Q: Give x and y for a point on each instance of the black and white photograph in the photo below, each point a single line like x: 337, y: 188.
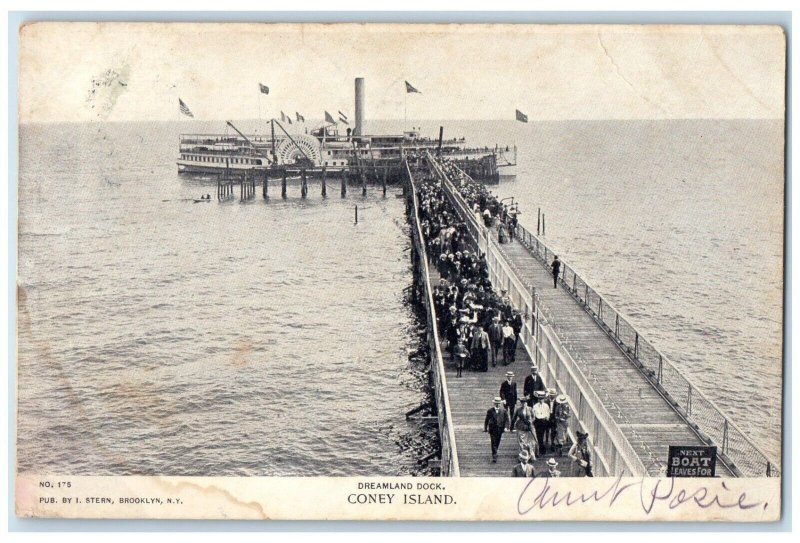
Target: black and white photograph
x: 412, y: 262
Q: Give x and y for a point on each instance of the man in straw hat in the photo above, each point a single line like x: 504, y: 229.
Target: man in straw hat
x: 523, y: 468
x: 541, y: 418
x: 552, y: 469
x: 561, y: 413
x: 508, y: 391
x: 495, y: 423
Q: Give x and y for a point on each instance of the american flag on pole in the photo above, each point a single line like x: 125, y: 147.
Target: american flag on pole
x: 185, y: 109
x: 410, y: 88
x: 329, y: 118
x: 521, y: 117
x: 263, y: 88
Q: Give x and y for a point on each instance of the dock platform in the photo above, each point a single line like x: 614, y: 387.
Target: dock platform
x: 646, y: 419
x: 643, y: 415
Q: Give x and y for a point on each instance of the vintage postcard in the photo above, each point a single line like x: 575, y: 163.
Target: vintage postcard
x: 382, y: 271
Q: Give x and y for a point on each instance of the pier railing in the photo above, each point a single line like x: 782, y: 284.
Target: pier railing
x: 734, y: 447
x: 449, y: 467
x: 614, y: 455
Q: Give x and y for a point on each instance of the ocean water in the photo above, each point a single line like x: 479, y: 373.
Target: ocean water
x: 160, y: 336
x: 680, y: 225
x: 272, y: 338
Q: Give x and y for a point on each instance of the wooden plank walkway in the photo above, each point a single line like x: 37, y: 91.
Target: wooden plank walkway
x: 645, y: 417
x: 470, y: 396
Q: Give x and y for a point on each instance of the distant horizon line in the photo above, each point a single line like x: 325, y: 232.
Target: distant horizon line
x: 321, y: 121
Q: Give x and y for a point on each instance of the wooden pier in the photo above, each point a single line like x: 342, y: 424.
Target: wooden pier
x: 648, y: 422
x: 247, y: 182
x: 631, y: 423
x: 469, y: 397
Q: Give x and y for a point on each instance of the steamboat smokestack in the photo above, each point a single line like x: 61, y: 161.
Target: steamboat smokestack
x: 358, y: 129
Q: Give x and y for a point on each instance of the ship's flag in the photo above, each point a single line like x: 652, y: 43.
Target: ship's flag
x: 283, y: 116
x: 300, y: 118
x: 342, y: 115
x: 289, y: 120
x: 185, y: 109
x: 329, y: 118
x: 263, y: 88
x: 522, y: 117
x: 410, y: 88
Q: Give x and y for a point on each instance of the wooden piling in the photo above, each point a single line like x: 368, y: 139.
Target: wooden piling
x: 324, y: 186
x: 538, y: 221
x: 385, y: 173
x: 344, y: 183
x: 356, y: 213
x: 543, y: 227
x: 303, y: 184
x: 283, y: 184
x: 265, y: 189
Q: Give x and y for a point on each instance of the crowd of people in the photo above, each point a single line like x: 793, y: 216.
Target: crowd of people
x: 493, y: 212
x: 481, y: 327
x: 539, y: 417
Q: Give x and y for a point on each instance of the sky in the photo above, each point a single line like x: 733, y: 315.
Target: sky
x: 137, y: 71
